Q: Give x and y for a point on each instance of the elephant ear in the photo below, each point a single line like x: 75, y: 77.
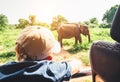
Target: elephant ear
x: 84, y: 30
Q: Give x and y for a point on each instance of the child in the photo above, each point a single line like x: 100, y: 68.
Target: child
x: 34, y: 48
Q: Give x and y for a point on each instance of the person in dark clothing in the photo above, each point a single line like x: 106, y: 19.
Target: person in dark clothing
x: 105, y: 56
x: 115, y: 28
x: 34, y: 48
x: 35, y: 71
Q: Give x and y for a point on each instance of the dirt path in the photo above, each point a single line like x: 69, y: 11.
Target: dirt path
x: 62, y: 56
x: 82, y: 79
x: 86, y: 79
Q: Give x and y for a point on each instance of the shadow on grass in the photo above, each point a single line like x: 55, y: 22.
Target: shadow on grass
x: 7, y: 54
x: 77, y: 48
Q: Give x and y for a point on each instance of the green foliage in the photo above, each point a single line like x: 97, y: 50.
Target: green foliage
x: 7, y: 44
x: 109, y: 14
x: 32, y: 19
x: 11, y: 27
x: 31, y: 22
x: 43, y: 24
x: 56, y: 20
x: 94, y: 20
x: 8, y: 38
x: 93, y: 23
x: 103, y: 25
x: 85, y: 59
x: 7, y: 56
x: 22, y: 23
x: 3, y: 21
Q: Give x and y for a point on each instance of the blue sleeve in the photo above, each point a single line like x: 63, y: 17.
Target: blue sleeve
x: 35, y: 71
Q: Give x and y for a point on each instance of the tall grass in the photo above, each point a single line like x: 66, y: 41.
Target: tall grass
x: 8, y: 38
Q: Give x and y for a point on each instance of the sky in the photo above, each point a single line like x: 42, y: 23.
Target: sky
x: 72, y: 10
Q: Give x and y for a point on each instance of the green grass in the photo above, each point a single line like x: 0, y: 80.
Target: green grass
x: 8, y: 38
x: 7, y: 44
x: 96, y: 34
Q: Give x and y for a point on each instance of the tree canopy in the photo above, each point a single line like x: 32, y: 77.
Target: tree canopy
x: 56, y: 20
x: 22, y: 23
x: 109, y: 14
x: 3, y: 21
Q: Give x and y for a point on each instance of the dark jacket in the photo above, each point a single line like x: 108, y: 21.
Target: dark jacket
x: 35, y: 71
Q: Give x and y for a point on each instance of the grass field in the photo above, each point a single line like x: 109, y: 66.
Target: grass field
x: 8, y: 38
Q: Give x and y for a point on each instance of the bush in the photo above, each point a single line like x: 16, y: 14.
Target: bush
x: 104, y: 25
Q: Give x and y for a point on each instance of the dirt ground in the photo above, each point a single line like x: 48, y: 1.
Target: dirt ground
x: 62, y: 56
x: 82, y: 79
x: 88, y: 78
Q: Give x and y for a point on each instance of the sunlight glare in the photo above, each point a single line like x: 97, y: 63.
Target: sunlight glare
x: 44, y: 12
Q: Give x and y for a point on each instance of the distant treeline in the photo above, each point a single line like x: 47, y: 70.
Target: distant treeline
x: 56, y: 20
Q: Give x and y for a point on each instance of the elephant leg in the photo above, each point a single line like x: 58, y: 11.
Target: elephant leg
x: 80, y: 39
x: 76, y: 40
x: 60, y: 41
x: 89, y: 37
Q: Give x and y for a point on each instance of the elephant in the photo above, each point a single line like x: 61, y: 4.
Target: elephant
x: 85, y: 31
x: 69, y: 30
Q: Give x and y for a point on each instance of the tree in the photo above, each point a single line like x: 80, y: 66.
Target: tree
x: 3, y: 21
x: 56, y: 20
x: 22, y: 23
x: 109, y: 14
x: 93, y: 22
x: 32, y: 19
